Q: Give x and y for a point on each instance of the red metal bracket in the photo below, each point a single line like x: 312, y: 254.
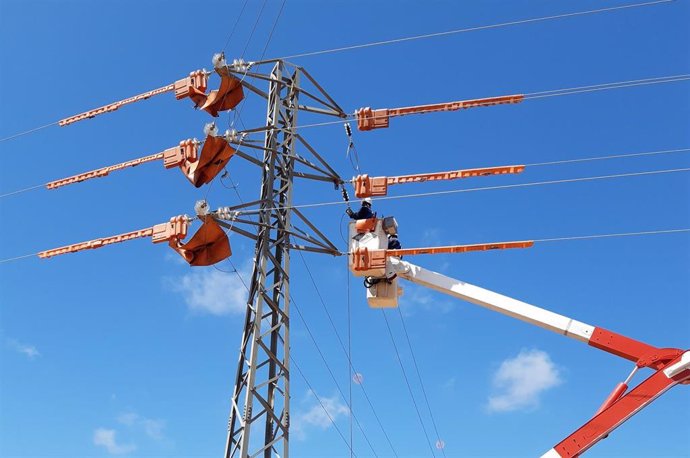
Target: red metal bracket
x: 622, y: 408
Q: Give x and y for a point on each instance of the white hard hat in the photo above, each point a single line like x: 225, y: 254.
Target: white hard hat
x: 367, y: 200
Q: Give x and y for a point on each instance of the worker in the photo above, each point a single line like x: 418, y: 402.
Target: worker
x: 393, y: 242
x: 364, y: 212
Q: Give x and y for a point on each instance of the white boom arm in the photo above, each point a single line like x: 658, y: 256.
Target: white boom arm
x: 671, y: 365
x: 493, y: 301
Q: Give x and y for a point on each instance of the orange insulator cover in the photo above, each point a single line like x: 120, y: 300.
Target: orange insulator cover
x: 228, y: 95
x: 365, y: 225
x: 461, y: 248
x: 366, y: 186
x: 187, y: 150
x: 365, y: 259
x: 194, y: 87
x: 208, y: 246
x: 175, y: 229
x: 214, y: 155
x: 368, y: 119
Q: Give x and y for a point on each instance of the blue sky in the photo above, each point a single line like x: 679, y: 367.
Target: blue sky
x: 125, y: 350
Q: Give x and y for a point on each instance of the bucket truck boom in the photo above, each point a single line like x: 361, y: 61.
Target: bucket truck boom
x: 382, y: 268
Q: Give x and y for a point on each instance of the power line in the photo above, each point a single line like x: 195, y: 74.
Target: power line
x: 473, y: 29
x: 556, y: 239
x: 486, y: 188
x: 347, y: 354
x: 605, y: 87
x: 35, y: 129
x: 234, y: 27
x: 543, y: 94
x: 536, y: 164
x: 294, y: 363
x: 419, y: 376
x: 593, y: 86
x: 613, y: 156
x: 407, y: 382
x: 620, y: 234
x: 328, y: 368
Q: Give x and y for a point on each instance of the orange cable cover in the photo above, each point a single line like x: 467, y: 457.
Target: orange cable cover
x: 114, y: 106
x: 369, y: 119
x: 366, y: 186
x: 460, y: 248
x: 172, y: 157
x: 175, y: 229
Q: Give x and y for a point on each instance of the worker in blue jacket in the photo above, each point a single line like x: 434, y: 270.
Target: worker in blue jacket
x: 393, y: 242
x: 364, y: 212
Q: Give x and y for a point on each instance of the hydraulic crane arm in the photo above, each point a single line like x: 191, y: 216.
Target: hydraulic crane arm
x: 368, y: 119
x: 366, y: 186
x: 671, y: 365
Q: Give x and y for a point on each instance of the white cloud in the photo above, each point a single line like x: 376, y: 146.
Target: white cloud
x: 432, y: 237
x: 317, y: 416
x: 152, y: 428
x: 418, y: 298
x: 520, y: 381
x: 211, y: 291
x: 28, y: 350
x: 106, y: 438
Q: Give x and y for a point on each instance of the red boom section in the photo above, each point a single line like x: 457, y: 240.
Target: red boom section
x: 368, y: 119
x: 621, y: 410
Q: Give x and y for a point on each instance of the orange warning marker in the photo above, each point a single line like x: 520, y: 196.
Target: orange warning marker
x: 366, y: 186
x: 368, y: 119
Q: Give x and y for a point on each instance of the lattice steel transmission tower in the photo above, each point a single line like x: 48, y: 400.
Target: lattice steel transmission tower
x: 260, y: 407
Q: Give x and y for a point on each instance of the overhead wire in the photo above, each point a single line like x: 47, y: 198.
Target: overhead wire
x: 234, y: 27
x: 530, y: 96
x: 421, y: 382
x: 619, y: 234
x: 417, y: 37
x: 407, y: 382
x: 612, y: 156
x: 473, y: 29
x: 328, y: 368
x: 555, y: 239
x: 535, y: 164
x: 347, y: 353
x: 483, y: 188
x: 26, y: 132
x: 605, y: 87
x: 311, y: 389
